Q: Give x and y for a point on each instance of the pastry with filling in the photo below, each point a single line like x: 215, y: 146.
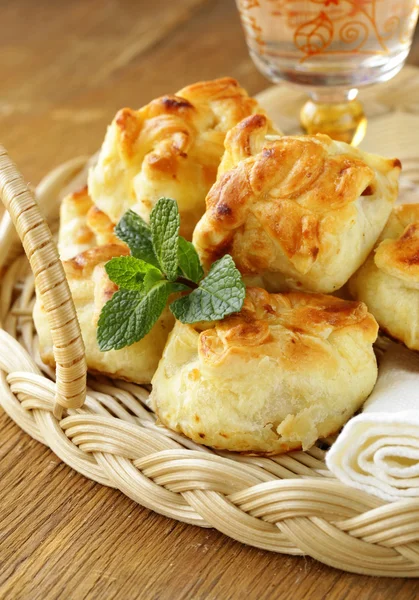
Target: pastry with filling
x: 285, y: 371
x: 171, y: 147
x: 91, y: 289
x: 295, y: 212
x: 388, y: 282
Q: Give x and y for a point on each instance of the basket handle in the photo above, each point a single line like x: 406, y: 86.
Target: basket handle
x: 51, y: 284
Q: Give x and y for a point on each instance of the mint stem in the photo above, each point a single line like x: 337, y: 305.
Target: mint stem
x: 187, y: 282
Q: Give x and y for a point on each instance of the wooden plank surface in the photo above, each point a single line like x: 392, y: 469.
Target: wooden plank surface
x: 66, y: 67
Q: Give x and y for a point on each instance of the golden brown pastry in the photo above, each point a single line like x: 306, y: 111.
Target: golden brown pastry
x: 299, y: 212
x: 388, y: 282
x: 171, y: 147
x: 285, y: 371
x: 83, y: 225
x: 74, y: 234
x: 102, y: 227
x: 91, y: 289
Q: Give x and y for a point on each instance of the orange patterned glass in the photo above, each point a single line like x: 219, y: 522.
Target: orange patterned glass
x: 332, y: 47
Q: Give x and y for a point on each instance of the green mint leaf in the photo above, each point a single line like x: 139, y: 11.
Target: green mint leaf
x: 221, y: 293
x: 129, y: 315
x: 131, y: 273
x: 152, y: 277
x: 135, y: 232
x: 189, y: 262
x: 164, y: 225
x: 178, y: 287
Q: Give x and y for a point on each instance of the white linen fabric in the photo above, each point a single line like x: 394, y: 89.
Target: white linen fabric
x: 378, y: 450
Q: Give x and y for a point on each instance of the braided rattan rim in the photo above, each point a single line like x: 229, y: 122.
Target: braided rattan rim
x: 289, y: 504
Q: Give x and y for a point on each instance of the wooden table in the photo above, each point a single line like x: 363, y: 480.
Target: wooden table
x: 66, y: 68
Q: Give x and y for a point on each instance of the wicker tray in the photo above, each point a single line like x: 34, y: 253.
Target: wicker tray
x: 289, y: 504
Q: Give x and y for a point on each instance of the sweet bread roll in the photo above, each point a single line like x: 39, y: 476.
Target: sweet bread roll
x: 388, y: 282
x: 285, y: 371
x: 91, y: 289
x: 83, y: 225
x: 171, y: 147
x: 295, y: 212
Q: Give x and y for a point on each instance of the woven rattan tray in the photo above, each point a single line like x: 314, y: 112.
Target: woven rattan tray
x: 288, y: 504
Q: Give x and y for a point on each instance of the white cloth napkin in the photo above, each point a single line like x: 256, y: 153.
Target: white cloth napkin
x: 378, y: 450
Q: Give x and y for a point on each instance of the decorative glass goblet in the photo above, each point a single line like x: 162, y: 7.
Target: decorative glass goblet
x: 332, y: 47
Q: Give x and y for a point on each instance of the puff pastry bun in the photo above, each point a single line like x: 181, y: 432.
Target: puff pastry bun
x: 285, y: 371
x: 91, y: 288
x: 388, y: 282
x: 83, y: 225
x: 171, y: 147
x: 302, y: 212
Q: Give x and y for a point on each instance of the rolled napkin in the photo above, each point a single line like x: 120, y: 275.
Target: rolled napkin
x: 378, y: 450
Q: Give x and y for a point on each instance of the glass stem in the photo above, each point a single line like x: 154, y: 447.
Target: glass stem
x: 334, y: 112
x: 332, y: 95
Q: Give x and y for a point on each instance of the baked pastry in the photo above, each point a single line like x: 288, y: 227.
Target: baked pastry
x: 74, y: 234
x: 102, y: 227
x: 388, y: 282
x: 171, y: 147
x: 91, y: 289
x: 83, y: 225
x: 285, y: 371
x: 295, y: 212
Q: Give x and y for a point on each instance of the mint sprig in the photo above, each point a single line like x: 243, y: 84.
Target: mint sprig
x: 128, y: 316
x: 135, y: 232
x: 219, y: 294
x: 164, y: 225
x: 163, y: 263
x: 129, y: 273
x: 189, y: 262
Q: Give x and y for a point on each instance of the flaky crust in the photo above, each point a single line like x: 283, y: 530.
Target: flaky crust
x: 388, y: 282
x: 74, y: 235
x: 102, y: 227
x: 83, y: 225
x: 299, y: 212
x: 288, y: 369
x: 91, y: 289
x: 171, y: 147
